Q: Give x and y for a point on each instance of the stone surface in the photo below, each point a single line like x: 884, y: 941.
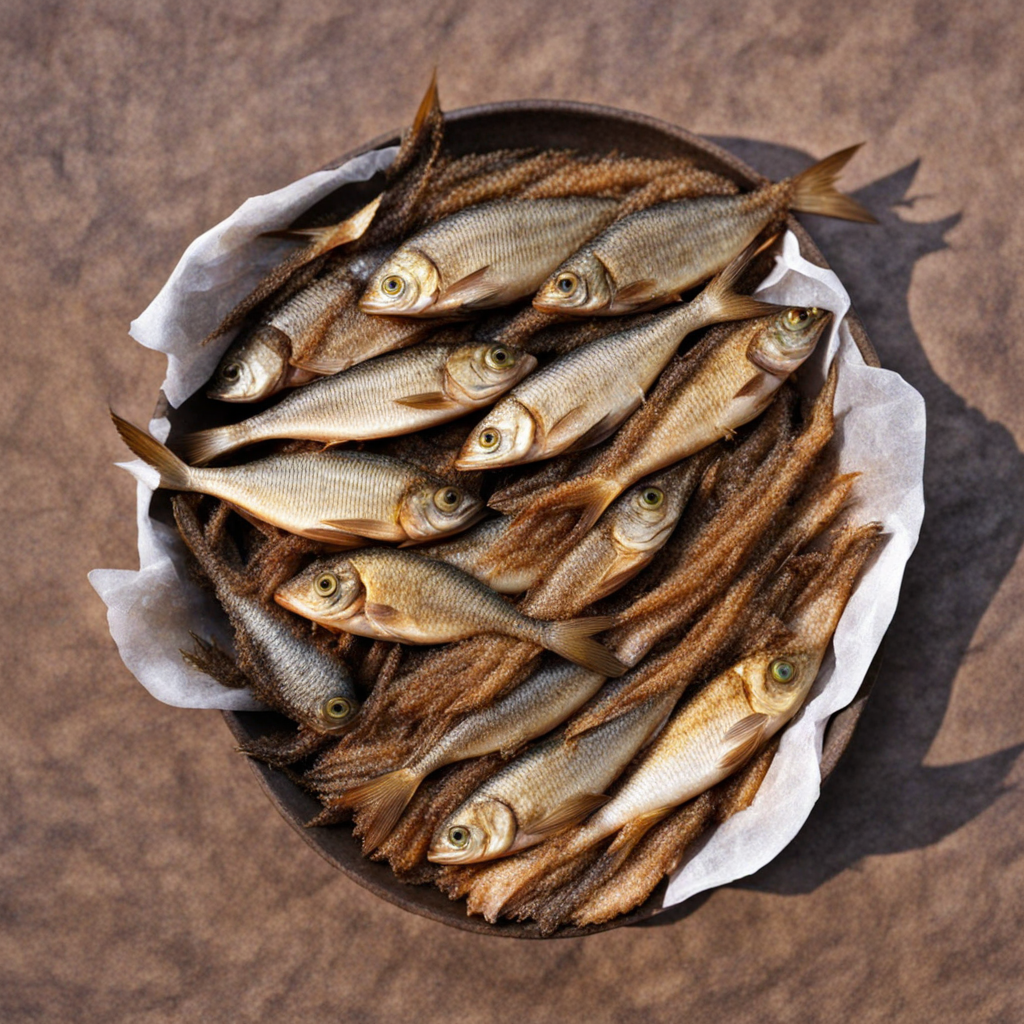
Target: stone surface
x: 143, y: 875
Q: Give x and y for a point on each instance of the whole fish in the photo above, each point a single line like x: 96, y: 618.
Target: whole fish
x: 727, y: 380
x: 483, y: 256
x: 531, y: 709
x: 399, y: 595
x: 709, y: 737
x: 580, y: 399
x: 545, y: 790
x: 394, y: 394
x: 334, y: 497
x: 287, y: 671
x: 656, y: 254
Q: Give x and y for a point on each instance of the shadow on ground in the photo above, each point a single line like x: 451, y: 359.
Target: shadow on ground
x: 882, y: 799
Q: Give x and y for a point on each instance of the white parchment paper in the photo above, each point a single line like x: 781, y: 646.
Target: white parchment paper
x: 880, y: 432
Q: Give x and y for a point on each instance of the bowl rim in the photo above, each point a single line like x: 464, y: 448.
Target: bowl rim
x: 335, y: 843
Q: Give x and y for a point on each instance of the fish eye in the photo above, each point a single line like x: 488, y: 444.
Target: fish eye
x: 489, y: 438
x: 566, y: 283
x: 447, y: 499
x: 392, y: 286
x: 782, y: 671
x: 337, y: 709
x: 232, y: 371
x: 797, y: 318
x: 499, y: 357
x: 651, y: 497
x: 325, y: 584
x: 458, y: 836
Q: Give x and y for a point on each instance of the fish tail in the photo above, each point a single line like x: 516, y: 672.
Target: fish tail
x: 173, y: 472
x: 722, y: 303
x: 203, y: 446
x: 813, y: 190
x: 572, y: 639
x: 324, y: 239
x: 589, y: 494
x: 379, y: 803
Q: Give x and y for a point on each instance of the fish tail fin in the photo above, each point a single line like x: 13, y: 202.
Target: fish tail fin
x: 379, y: 803
x: 330, y: 236
x: 572, y: 639
x: 591, y: 495
x: 723, y: 303
x: 203, y: 446
x: 813, y: 190
x: 173, y: 472
x: 430, y: 104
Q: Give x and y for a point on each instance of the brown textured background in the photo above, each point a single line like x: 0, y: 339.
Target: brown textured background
x: 143, y: 876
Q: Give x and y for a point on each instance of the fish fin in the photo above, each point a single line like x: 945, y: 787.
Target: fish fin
x: 591, y: 495
x: 569, y: 813
x: 566, y: 429
x: 615, y: 579
x: 602, y: 429
x: 427, y: 400
x: 372, y: 528
x: 572, y: 639
x: 384, y: 614
x: 746, y: 737
x: 813, y: 190
x: 203, y: 446
x: 324, y: 239
x: 173, y: 472
x: 320, y: 364
x: 722, y: 303
x: 379, y: 804
x: 430, y: 103
x: 637, y: 293
x: 336, y: 538
x: 752, y: 386
x: 469, y: 290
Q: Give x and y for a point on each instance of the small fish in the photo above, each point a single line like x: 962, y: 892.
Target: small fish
x: 654, y: 255
x: 535, y: 707
x: 286, y: 670
x: 256, y: 367
x: 727, y: 380
x: 399, y: 393
x: 545, y: 790
x: 483, y: 256
x: 580, y: 399
x: 399, y: 595
x: 333, y: 497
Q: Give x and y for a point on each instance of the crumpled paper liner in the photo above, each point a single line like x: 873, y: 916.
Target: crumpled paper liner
x: 880, y: 432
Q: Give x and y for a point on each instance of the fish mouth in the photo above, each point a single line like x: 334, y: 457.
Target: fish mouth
x: 293, y: 605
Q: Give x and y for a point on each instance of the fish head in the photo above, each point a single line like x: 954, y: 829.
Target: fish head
x: 429, y: 511
x: 505, y: 437
x: 580, y: 285
x: 406, y: 284
x: 253, y: 368
x: 483, y: 372
x: 777, y: 682
x: 478, y: 830
x: 328, y: 592
x: 645, y: 515
x: 788, y: 339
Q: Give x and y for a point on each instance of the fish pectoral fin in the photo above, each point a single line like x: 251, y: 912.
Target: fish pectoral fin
x: 744, y: 739
x: 603, y: 428
x: 752, y: 387
x: 372, y: 528
x: 471, y: 289
x: 387, y: 620
x: 335, y: 538
x: 427, y: 400
x: 637, y: 293
x: 564, y: 816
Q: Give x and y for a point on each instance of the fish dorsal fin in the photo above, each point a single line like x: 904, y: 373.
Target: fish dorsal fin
x: 427, y: 400
x: 743, y: 741
x: 470, y: 290
x: 637, y: 293
x: 569, y: 813
x: 372, y: 528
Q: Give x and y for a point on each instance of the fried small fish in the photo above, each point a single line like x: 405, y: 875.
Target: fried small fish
x: 400, y: 595
x: 334, y: 497
x: 581, y: 398
x: 483, y: 256
x: 656, y: 254
x: 394, y: 394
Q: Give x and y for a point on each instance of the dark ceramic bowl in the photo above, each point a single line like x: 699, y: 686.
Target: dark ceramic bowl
x: 542, y: 124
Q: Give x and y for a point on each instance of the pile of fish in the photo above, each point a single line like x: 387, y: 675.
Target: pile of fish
x: 538, y: 587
